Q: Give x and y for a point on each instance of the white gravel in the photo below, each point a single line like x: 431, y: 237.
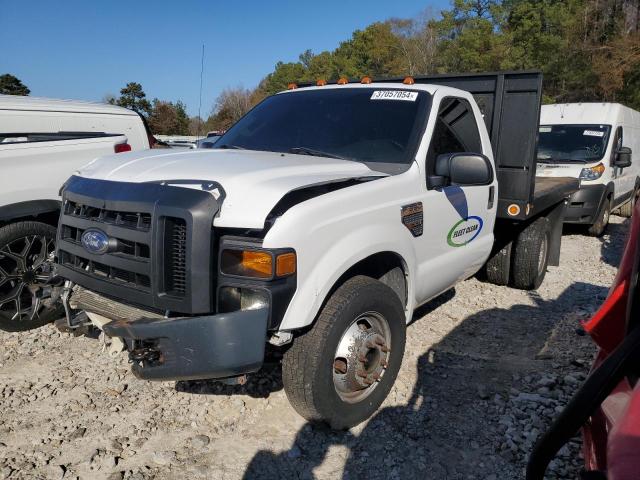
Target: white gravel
x: 486, y: 369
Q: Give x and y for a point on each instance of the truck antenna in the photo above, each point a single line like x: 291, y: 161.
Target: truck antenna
x: 200, y: 101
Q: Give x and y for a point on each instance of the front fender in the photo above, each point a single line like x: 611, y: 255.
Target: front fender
x: 323, y: 260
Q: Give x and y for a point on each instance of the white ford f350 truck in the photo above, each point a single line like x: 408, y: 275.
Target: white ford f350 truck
x: 316, y: 224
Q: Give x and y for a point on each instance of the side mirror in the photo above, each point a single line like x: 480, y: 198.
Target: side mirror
x: 623, y: 157
x: 464, y: 169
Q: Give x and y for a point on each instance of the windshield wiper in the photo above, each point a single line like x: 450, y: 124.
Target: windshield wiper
x: 315, y: 153
x: 232, y: 147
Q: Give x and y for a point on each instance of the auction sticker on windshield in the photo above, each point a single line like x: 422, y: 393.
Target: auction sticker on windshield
x: 394, y: 95
x: 465, y: 231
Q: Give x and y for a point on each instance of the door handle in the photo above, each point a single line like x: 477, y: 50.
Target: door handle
x: 492, y: 192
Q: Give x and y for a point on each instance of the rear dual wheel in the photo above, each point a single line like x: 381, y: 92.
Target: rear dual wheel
x: 522, y: 263
x: 342, y: 369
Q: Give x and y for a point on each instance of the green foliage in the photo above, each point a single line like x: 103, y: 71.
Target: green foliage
x: 167, y: 118
x: 133, y: 97
x: 10, y: 85
x: 587, y: 49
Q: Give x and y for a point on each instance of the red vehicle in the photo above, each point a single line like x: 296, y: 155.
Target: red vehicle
x: 607, y: 406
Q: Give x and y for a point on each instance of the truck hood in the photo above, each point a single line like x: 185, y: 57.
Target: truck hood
x: 253, y: 181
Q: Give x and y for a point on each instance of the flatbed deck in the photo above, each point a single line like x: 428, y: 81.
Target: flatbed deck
x: 549, y: 191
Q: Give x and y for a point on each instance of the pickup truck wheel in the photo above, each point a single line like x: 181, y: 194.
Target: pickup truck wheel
x: 531, y: 255
x: 26, y: 250
x: 341, y: 370
x: 602, y: 220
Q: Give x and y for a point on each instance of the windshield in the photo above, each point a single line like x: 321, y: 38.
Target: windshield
x: 381, y: 126
x: 572, y: 143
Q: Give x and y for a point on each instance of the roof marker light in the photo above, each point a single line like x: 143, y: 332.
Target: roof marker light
x: 408, y: 81
x: 366, y: 80
x: 292, y: 86
x: 343, y: 81
x: 321, y: 82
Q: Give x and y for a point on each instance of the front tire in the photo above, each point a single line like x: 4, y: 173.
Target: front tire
x: 342, y: 369
x: 602, y: 220
x: 26, y: 249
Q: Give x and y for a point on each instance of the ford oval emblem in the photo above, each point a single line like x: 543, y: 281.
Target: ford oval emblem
x: 95, y: 241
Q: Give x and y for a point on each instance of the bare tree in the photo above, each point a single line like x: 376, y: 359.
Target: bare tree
x: 418, y: 42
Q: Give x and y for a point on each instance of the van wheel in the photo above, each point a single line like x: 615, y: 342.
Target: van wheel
x: 341, y: 370
x: 626, y: 210
x: 602, y: 220
x: 26, y: 250
x: 531, y: 255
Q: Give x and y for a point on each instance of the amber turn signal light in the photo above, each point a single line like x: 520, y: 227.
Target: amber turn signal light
x: 285, y: 264
x: 247, y: 263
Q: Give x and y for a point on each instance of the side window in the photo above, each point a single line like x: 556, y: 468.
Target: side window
x: 456, y: 130
x: 616, y: 145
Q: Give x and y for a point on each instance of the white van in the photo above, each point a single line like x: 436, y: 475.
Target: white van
x: 42, y: 143
x: 593, y: 142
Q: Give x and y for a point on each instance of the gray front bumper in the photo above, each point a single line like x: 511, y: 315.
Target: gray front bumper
x: 193, y: 348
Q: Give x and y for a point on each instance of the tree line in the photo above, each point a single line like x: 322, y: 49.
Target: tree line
x: 588, y: 50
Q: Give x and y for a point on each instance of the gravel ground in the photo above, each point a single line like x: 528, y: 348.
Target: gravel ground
x: 486, y: 369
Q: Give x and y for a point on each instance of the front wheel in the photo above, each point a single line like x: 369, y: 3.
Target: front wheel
x: 602, y: 220
x: 26, y: 251
x: 342, y: 369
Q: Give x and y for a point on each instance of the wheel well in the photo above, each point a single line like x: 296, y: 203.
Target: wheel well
x: 387, y: 267
x: 45, y: 211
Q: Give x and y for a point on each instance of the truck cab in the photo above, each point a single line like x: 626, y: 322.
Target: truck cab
x: 593, y: 142
x: 316, y: 224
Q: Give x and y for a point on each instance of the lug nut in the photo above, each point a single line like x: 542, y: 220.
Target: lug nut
x: 340, y: 366
x: 361, y: 374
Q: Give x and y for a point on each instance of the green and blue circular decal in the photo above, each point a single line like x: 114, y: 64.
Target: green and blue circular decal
x: 465, y: 231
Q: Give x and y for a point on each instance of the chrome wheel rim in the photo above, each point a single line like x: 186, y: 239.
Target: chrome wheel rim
x: 25, y: 266
x: 542, y: 256
x: 362, y: 357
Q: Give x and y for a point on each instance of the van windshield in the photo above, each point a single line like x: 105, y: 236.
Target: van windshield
x: 369, y: 125
x: 572, y: 143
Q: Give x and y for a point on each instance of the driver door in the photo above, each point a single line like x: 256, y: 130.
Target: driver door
x: 458, y: 219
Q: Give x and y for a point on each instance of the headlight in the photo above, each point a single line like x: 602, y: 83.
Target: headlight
x: 232, y: 299
x: 592, y: 173
x: 261, y: 264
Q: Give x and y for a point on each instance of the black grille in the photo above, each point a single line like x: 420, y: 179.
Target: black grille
x: 160, y: 249
x: 105, y: 272
x: 137, y: 220
x: 176, y: 256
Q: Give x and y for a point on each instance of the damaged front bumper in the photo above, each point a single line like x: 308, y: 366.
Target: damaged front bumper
x: 183, y: 348
x: 193, y: 348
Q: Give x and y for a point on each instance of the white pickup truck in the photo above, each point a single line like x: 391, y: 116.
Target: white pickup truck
x: 42, y: 142
x: 316, y: 224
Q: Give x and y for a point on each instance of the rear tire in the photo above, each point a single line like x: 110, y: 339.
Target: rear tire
x: 498, y: 267
x: 531, y: 255
x: 602, y: 220
x: 320, y: 369
x: 25, y: 300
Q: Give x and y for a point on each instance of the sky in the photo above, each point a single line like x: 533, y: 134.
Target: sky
x: 86, y: 49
